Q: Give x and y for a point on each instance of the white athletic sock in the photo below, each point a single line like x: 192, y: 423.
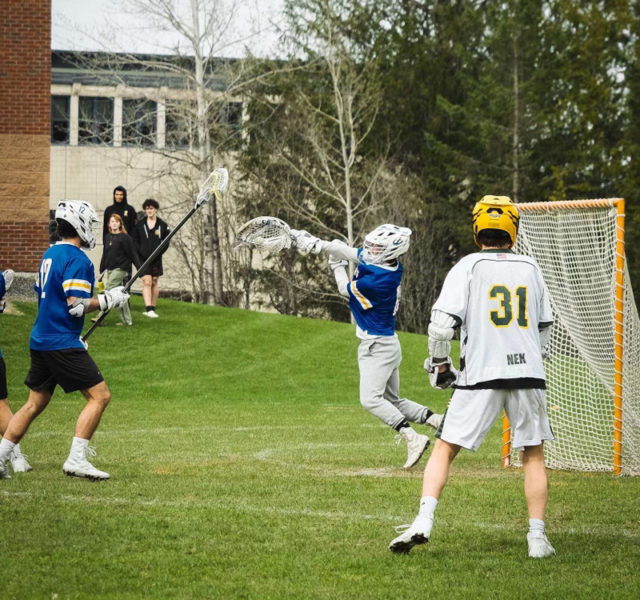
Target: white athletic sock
x: 428, y: 505
x: 6, y: 448
x: 16, y: 450
x: 536, y: 526
x: 78, y: 447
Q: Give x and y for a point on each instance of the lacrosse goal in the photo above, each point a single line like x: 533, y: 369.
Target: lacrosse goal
x: 593, y: 364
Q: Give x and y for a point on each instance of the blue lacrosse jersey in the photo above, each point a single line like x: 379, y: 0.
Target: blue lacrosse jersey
x: 64, y: 271
x: 374, y: 295
x: 3, y: 291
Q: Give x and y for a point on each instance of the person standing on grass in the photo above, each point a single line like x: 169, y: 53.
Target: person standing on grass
x: 121, y: 208
x: 150, y: 232
x: 118, y: 254
x: 500, y: 302
x: 374, y: 295
x: 18, y: 460
x: 58, y: 354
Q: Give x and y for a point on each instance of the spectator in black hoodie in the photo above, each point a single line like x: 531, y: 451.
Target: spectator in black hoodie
x: 117, y: 256
x: 149, y: 235
x: 120, y: 207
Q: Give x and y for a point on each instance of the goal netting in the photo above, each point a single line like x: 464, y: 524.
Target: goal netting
x: 593, y: 367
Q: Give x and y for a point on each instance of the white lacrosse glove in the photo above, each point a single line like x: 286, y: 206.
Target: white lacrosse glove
x: 305, y: 242
x: 440, y: 380
x: 113, y: 298
x: 335, y: 263
x: 79, y: 307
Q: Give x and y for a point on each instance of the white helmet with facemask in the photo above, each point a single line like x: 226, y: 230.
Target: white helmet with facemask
x: 385, y: 244
x: 82, y: 217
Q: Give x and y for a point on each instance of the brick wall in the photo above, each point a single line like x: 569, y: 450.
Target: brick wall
x: 25, y: 80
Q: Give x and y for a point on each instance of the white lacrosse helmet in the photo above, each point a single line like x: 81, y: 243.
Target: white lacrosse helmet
x: 82, y: 217
x: 385, y: 243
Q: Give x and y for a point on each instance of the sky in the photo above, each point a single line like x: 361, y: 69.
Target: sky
x: 104, y: 25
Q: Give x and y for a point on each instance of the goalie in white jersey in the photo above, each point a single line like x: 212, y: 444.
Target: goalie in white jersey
x: 499, y: 301
x: 374, y: 296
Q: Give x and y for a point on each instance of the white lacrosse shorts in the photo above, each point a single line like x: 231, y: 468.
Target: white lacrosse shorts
x: 472, y: 413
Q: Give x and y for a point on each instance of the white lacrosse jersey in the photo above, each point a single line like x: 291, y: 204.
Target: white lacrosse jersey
x: 500, y: 300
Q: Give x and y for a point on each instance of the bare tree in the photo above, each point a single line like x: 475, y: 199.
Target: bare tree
x: 202, y: 106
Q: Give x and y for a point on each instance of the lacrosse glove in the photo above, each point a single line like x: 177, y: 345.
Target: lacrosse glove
x: 440, y: 380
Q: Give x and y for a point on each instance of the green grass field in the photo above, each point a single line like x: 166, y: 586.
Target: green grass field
x: 243, y: 467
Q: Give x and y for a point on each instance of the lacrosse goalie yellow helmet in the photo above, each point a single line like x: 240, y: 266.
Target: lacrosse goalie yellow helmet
x: 495, y: 212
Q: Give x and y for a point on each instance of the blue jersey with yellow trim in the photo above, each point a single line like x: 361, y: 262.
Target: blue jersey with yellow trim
x: 64, y: 271
x: 374, y: 295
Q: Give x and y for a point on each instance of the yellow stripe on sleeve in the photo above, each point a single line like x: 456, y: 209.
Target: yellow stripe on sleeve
x: 359, y: 297
x: 81, y: 285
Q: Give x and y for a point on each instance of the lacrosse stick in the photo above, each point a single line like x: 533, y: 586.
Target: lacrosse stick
x: 213, y: 186
x: 264, y: 233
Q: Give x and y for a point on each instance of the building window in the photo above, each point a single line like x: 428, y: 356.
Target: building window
x: 138, y: 122
x: 95, y: 121
x: 59, y: 119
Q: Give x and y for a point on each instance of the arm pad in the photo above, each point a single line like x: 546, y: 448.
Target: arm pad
x: 338, y: 249
x: 440, y: 332
x: 342, y: 279
x: 79, y: 307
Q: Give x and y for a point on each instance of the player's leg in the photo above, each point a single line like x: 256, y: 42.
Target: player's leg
x: 18, y: 426
x: 536, y: 491
x: 435, y: 478
x: 77, y: 464
x: 75, y: 370
x: 98, y: 398
x: 527, y: 413
x: 412, y: 411
x: 378, y: 360
x: 469, y: 418
x: 18, y: 460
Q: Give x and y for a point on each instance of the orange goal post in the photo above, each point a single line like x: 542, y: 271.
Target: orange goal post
x: 593, y: 363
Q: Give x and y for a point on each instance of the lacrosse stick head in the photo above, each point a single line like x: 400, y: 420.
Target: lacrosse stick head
x: 213, y: 186
x: 268, y: 234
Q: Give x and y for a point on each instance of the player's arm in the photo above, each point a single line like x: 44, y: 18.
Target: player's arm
x: 339, y: 268
x: 309, y: 244
x: 106, y: 301
x: 438, y: 364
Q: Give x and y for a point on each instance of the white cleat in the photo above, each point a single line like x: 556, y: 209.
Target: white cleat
x: 417, y: 533
x: 435, y: 420
x: 19, y: 462
x: 539, y: 545
x: 4, y: 469
x: 151, y: 313
x: 416, y: 445
x: 79, y: 466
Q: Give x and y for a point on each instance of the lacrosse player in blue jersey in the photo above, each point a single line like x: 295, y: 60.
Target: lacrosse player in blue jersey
x: 500, y: 302
x: 58, y: 354
x: 374, y: 295
x: 18, y: 460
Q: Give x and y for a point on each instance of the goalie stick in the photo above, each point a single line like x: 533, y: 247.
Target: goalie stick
x: 213, y: 186
x: 264, y: 233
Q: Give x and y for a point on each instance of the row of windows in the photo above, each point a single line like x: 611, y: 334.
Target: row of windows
x: 96, y: 118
